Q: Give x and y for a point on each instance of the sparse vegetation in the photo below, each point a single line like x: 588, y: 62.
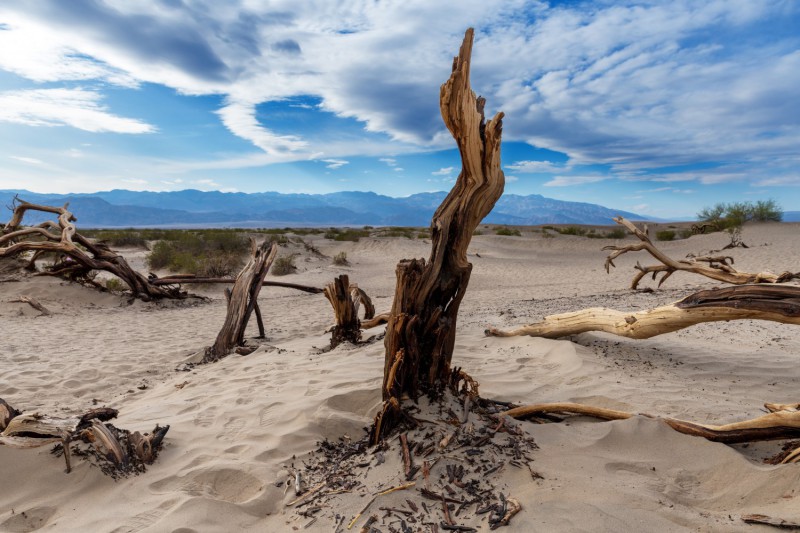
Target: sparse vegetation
x: 735, y: 214
x: 572, y: 230
x: 665, y: 235
x: 508, y: 231
x: 115, y: 285
x: 347, y: 234
x: 284, y: 265
x: 340, y: 259
x: 616, y: 233
x: 213, y: 253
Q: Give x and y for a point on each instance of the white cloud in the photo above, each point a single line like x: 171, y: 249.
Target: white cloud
x: 79, y: 108
x: 631, y: 85
x: 29, y: 160
x: 443, y: 171
x: 535, y: 167
x: 335, y: 163
x: 392, y: 162
x: 567, y: 181
x: 511, y: 179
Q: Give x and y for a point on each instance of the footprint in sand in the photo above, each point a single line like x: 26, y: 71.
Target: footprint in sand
x: 225, y: 484
x: 266, y: 416
x: 29, y: 520
x: 140, y: 521
x: 206, y: 417
x: 233, y: 429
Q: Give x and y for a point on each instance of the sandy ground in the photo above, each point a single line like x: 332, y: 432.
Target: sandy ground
x: 237, y: 425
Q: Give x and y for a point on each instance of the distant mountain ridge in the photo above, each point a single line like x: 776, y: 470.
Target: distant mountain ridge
x: 123, y: 208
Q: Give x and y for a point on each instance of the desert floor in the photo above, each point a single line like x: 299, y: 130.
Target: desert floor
x: 238, y: 425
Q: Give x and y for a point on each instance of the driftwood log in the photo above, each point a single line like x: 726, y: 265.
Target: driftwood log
x: 760, y: 302
x: 420, y: 333
x: 346, y: 298
x: 242, y: 301
x: 33, y: 302
x: 718, y: 268
x: 119, y: 449
x: 76, y: 255
x: 782, y: 422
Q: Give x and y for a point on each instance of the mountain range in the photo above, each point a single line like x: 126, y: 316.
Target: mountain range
x: 193, y: 208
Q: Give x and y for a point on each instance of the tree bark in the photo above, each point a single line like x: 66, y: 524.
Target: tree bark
x: 420, y: 334
x: 242, y: 301
x: 760, y: 302
x: 345, y: 300
x: 719, y: 268
x: 79, y: 255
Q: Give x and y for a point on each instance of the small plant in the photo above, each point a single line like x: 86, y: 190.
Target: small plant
x: 508, y: 231
x: 346, y: 235
x: 284, y: 265
x: 340, y: 259
x: 115, y: 285
x: 685, y: 233
x: 477, y: 232
x: 547, y: 235
x: 616, y: 233
x: 665, y: 235
x: 571, y: 230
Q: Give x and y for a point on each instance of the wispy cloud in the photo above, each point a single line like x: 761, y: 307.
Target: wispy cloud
x: 29, y: 160
x: 446, y: 171
x: 568, y: 181
x: 335, y: 163
x: 535, y: 167
x: 79, y: 108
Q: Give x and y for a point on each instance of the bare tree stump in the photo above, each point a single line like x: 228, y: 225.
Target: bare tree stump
x: 718, y: 268
x: 345, y: 298
x: 420, y: 334
x: 760, y: 302
x: 242, y: 301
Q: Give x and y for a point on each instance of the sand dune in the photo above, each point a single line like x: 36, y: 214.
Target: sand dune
x: 238, y: 425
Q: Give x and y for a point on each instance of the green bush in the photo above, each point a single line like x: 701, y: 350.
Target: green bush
x: 213, y: 253
x: 354, y: 235
x: 616, y: 233
x: 508, y: 231
x: 735, y: 214
x: 340, y: 259
x: 477, y: 232
x: 665, y: 235
x: 571, y: 230
x: 115, y: 285
x: 284, y: 265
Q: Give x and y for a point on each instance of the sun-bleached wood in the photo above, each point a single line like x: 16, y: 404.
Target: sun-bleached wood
x: 719, y: 268
x: 346, y: 298
x: 420, y: 334
x: 760, y: 302
x: 242, y: 300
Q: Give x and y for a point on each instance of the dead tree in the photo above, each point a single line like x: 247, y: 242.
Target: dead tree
x: 782, y: 422
x: 760, y: 302
x: 420, y: 334
x: 119, y: 450
x: 76, y: 255
x: 180, y: 279
x: 346, y: 298
x: 243, y: 300
x: 719, y: 268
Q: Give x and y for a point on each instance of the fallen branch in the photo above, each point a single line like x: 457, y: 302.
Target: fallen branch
x: 33, y: 302
x: 761, y: 302
x: 717, y: 268
x: 180, y: 279
x: 772, y: 426
x: 769, y: 521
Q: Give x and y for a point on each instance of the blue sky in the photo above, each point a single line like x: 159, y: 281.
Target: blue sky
x: 659, y: 108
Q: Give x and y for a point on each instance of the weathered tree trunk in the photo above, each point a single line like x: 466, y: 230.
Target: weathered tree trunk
x: 718, y: 267
x: 78, y: 254
x: 345, y: 300
x: 760, y: 302
x: 421, y: 331
x: 242, y: 301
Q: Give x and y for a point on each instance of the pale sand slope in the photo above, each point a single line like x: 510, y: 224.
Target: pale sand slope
x: 236, y: 424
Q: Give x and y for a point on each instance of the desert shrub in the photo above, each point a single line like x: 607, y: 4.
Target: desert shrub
x: 685, y: 233
x: 735, y: 214
x: 477, y: 232
x: 547, y: 235
x: 548, y: 227
x: 423, y: 235
x: 508, y: 231
x: 398, y: 232
x: 354, y: 235
x: 202, y: 252
x: 115, y: 285
x: 313, y: 249
x: 284, y: 265
x: 665, y: 235
x: 571, y: 230
x: 616, y: 233
x: 340, y: 259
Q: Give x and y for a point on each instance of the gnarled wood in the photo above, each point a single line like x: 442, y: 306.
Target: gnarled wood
x: 33, y: 302
x: 420, y: 334
x: 242, y: 300
x: 718, y: 268
x: 346, y: 298
x: 179, y: 279
x: 760, y: 302
x: 77, y: 255
x: 772, y: 426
